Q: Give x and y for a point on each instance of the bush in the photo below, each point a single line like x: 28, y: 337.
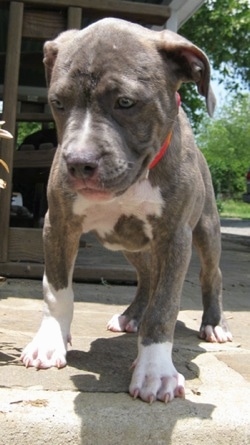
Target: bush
x: 225, y: 145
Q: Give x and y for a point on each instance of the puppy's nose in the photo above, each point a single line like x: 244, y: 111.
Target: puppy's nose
x: 82, y: 170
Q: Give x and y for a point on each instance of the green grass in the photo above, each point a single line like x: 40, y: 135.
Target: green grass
x: 234, y: 209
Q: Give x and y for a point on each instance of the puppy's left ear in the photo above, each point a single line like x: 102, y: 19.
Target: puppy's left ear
x: 188, y: 64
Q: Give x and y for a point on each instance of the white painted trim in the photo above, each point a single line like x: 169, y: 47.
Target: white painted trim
x: 181, y: 11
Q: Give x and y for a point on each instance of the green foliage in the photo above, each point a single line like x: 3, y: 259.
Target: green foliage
x: 220, y: 206
x: 193, y: 104
x: 25, y: 129
x: 221, y: 28
x: 225, y: 142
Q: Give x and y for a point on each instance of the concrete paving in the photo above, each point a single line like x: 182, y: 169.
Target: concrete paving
x: 87, y: 402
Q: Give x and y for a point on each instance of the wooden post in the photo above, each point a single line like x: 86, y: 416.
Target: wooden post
x: 74, y: 18
x: 9, y: 115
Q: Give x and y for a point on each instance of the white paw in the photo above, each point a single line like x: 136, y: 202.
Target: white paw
x: 154, y: 376
x: 215, y: 334
x: 121, y: 323
x: 48, y: 348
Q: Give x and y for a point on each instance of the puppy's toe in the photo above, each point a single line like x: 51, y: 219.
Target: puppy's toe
x: 122, y: 323
x: 154, y: 376
x: 117, y: 323
x: 215, y: 334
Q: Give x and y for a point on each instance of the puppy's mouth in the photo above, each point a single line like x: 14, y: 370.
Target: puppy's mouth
x: 91, y: 191
x: 96, y: 194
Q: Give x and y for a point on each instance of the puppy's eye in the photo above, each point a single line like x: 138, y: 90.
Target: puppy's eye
x: 125, y: 102
x: 57, y: 104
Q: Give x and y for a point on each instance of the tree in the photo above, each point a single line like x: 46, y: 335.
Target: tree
x: 225, y: 143
x: 221, y: 28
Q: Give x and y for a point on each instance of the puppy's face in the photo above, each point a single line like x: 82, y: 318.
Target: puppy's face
x: 112, y: 92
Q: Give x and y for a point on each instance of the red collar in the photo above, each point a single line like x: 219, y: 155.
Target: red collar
x: 166, y: 143
x: 162, y: 151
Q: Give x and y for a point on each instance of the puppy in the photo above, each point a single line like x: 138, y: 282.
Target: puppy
x: 127, y: 168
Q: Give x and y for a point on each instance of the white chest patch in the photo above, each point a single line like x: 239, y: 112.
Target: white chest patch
x: 139, y: 201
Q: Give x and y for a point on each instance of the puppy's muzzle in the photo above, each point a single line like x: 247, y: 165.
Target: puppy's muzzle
x: 92, y: 171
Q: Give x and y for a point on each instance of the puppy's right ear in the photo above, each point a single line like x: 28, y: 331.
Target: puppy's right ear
x: 51, y: 49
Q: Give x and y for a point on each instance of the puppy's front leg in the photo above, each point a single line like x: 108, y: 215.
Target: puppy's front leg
x: 49, y: 346
x: 155, y: 376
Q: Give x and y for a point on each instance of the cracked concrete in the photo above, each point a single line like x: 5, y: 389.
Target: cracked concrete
x: 87, y: 402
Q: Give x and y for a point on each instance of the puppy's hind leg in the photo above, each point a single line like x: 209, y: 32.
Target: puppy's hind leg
x: 207, y: 240
x: 130, y: 319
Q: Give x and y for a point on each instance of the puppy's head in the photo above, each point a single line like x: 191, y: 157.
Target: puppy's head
x: 112, y: 90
